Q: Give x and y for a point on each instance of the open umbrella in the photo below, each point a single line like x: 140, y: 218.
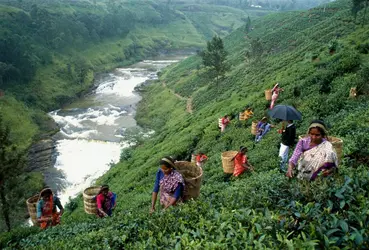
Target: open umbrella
x: 285, y: 112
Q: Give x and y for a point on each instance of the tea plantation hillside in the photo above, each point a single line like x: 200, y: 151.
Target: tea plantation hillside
x: 51, y: 51
x: 316, y: 56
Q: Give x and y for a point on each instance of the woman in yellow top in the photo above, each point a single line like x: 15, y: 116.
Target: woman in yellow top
x: 248, y: 113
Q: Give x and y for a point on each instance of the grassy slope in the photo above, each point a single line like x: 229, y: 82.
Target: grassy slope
x: 262, y: 209
x: 50, y: 87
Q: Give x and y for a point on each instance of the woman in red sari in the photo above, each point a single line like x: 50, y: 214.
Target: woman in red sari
x: 240, y: 162
x: 47, y: 214
x: 106, y: 202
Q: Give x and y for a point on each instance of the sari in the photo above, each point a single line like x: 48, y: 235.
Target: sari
x: 47, y: 213
x: 168, y: 185
x: 106, y: 203
x: 200, y: 159
x: 275, y: 95
x: 317, y: 160
x: 224, y: 122
x: 239, y: 160
x: 247, y: 114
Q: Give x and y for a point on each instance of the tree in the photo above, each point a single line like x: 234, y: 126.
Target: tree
x: 357, y: 5
x: 11, y: 166
x: 215, y: 56
x: 248, y: 25
x: 256, y: 49
x: 82, y: 66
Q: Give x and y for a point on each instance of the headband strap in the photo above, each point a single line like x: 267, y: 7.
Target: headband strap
x: 44, y: 190
x: 168, y: 161
x: 314, y: 125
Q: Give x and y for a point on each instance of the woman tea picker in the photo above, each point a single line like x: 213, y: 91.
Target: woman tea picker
x: 313, y: 155
x: 46, y: 209
x: 105, y: 201
x: 169, y: 182
x: 241, y: 163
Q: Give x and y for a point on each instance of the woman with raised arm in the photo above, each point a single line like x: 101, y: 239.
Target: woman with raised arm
x: 275, y: 93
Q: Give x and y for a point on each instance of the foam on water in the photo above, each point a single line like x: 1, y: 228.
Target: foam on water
x: 92, y: 127
x: 82, y: 162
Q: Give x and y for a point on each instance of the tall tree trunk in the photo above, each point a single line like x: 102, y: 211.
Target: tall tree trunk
x: 5, y: 207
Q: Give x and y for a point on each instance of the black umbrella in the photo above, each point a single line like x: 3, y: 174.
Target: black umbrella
x: 285, y: 112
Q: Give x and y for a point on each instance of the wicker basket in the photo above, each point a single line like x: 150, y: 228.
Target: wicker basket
x: 193, y: 158
x: 353, y: 93
x: 242, y: 116
x: 89, y: 199
x: 268, y: 94
x: 228, y: 164
x: 32, y: 208
x: 337, y: 144
x: 254, y: 129
x: 192, y: 176
x: 220, y: 122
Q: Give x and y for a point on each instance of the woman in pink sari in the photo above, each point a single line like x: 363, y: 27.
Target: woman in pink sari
x: 314, y: 155
x: 275, y: 90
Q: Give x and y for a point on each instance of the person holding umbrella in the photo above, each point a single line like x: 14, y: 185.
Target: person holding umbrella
x: 314, y: 155
x: 288, y: 140
x: 286, y: 113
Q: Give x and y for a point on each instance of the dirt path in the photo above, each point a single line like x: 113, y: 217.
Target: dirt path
x: 189, y: 100
x: 189, y: 105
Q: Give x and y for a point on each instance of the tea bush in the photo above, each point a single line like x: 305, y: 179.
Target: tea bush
x: 262, y: 209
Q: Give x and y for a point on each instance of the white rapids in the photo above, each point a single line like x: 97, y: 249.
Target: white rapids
x: 91, y: 128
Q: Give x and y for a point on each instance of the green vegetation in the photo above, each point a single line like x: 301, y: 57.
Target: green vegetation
x: 260, y: 210
x: 51, y: 50
x: 214, y: 57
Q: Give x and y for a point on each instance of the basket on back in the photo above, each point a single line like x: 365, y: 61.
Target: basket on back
x: 254, y: 128
x: 32, y: 208
x: 268, y: 94
x: 353, y: 93
x: 193, y: 158
x: 192, y: 176
x: 89, y: 199
x: 338, y: 146
x: 228, y: 164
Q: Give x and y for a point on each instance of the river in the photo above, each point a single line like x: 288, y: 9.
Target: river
x: 91, y: 128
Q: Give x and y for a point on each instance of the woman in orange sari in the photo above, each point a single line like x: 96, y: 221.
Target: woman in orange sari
x: 47, y: 214
x: 240, y: 162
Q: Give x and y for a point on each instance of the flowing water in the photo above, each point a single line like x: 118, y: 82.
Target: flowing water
x: 91, y: 129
